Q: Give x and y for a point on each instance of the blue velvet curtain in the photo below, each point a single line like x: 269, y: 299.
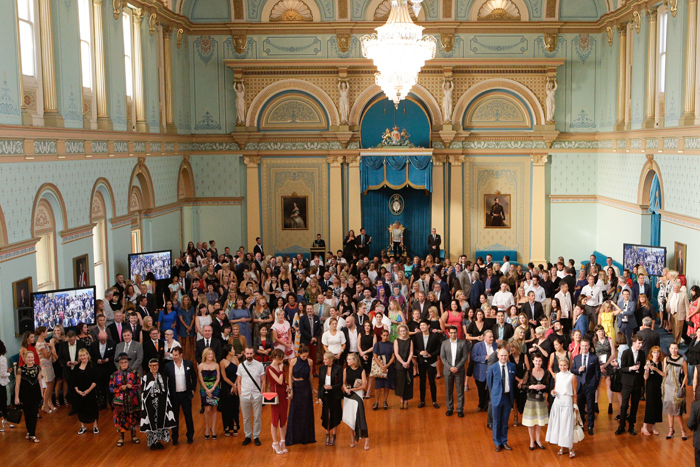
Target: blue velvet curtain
x: 376, y: 218
x: 655, y: 210
x: 396, y: 172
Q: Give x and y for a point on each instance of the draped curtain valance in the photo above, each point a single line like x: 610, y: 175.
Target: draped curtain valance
x: 396, y: 172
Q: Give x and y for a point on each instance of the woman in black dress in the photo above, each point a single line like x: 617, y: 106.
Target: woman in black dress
x: 349, y: 246
x: 364, y: 347
x: 229, y: 401
x: 403, y: 350
x: 28, y: 393
x: 354, y: 384
x: 300, y: 422
x: 330, y: 383
x: 85, y: 382
x: 522, y: 370
x: 654, y: 375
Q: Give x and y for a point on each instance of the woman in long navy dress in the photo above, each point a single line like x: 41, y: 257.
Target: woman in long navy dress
x: 300, y: 422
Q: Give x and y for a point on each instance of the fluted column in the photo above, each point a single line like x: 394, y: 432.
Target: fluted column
x: 252, y: 199
x: 437, y: 211
x: 48, y: 73
x: 538, y: 253
x: 335, y: 166
x: 167, y: 63
x: 621, y: 77
x: 354, y: 194
x: 688, y: 117
x: 456, y: 208
x: 139, y: 104
x: 103, y: 120
x: 649, y: 117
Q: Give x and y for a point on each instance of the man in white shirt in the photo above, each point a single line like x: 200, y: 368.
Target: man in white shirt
x: 594, y: 298
x: 353, y: 333
x: 503, y: 298
x: 540, y: 293
x: 566, y: 306
x: 334, y: 314
x: 182, y: 381
x: 610, y: 264
x: 251, y: 384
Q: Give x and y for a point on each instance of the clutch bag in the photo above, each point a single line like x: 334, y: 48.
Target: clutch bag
x: 270, y: 398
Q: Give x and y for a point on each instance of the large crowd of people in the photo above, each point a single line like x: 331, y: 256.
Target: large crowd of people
x: 241, y: 330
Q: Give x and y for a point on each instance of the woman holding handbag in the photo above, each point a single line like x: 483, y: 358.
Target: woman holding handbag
x: 354, y: 384
x: 383, y: 354
x: 278, y: 415
x: 330, y: 382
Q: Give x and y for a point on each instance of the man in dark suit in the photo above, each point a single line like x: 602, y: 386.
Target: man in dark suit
x: 570, y: 279
x: 258, y: 247
x: 502, y: 331
x: 694, y: 424
x: 319, y: 242
x: 626, y: 319
x: 532, y: 309
x: 477, y: 290
x: 101, y: 326
x: 586, y: 367
x: 68, y: 359
x: 208, y: 341
x: 650, y: 338
x: 443, y: 296
x: 590, y: 265
x: 153, y: 348
x: 362, y: 241
x: 218, y: 324
x: 434, y: 242
x: 134, y: 327
x: 500, y: 379
x: 632, y: 367
x: 142, y: 308
x: 427, y: 349
x: 421, y: 305
x: 453, y: 354
x: 116, y: 328
x: 182, y: 381
x: 310, y: 328
x: 151, y: 302
x: 640, y: 287
x: 102, y: 354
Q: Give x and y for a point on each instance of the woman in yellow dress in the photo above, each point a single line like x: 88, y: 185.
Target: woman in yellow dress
x: 606, y: 317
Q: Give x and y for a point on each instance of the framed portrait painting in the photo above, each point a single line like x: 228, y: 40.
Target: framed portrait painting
x: 295, y: 212
x: 21, y: 291
x: 680, y: 251
x: 80, y: 271
x: 497, y: 211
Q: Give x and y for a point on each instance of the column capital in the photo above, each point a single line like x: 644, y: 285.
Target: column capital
x: 457, y: 160
x: 439, y: 160
x: 539, y: 159
x: 167, y: 30
x: 334, y: 161
x: 622, y: 28
x: 651, y: 13
x: 137, y: 14
x: 353, y: 160
x: 251, y: 161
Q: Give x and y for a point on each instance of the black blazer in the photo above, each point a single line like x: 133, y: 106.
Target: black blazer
x: 64, y: 355
x: 114, y: 334
x: 632, y: 378
x: 215, y: 345
x: 535, y: 312
x: 434, y: 242
x: 694, y: 424
x: 217, y: 329
x: 306, y: 333
x: 149, y: 352
x: 190, y: 377
x: 111, y: 346
x: 507, y: 331
x: 258, y: 249
x: 433, y: 348
x: 336, y: 381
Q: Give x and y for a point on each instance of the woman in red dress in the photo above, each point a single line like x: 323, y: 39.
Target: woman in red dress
x: 453, y: 317
x: 694, y: 310
x: 278, y: 417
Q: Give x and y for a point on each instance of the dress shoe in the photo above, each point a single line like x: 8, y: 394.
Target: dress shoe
x: 246, y: 442
x: 489, y: 427
x: 498, y: 448
x: 421, y: 405
x: 460, y: 414
x: 596, y: 408
x: 590, y: 430
x: 159, y: 446
x: 201, y: 411
x: 632, y: 432
x: 507, y: 448
x: 436, y: 405
x: 449, y: 413
x: 619, y: 431
x: 257, y: 442
x: 72, y: 411
x: 190, y: 440
x: 175, y: 442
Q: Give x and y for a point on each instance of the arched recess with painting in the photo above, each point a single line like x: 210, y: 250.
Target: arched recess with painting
x: 141, y: 199
x: 49, y: 218
x: 404, y: 176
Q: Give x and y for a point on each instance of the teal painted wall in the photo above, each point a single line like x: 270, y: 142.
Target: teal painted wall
x: 66, y: 42
x: 151, y: 83
x: 639, y: 73
x: 114, y: 66
x: 675, y: 64
x: 181, y: 84
x: 10, y: 99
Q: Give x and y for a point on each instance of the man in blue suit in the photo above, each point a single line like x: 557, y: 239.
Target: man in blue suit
x: 500, y: 379
x: 626, y: 320
x: 586, y: 367
x: 480, y: 354
x: 477, y: 290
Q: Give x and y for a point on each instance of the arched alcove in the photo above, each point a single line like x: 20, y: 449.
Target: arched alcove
x: 185, y: 180
x: 379, y: 115
x: 141, y: 177
x: 49, y: 218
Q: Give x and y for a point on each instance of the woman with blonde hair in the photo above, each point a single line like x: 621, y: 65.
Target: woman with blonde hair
x: 59, y: 336
x: 85, y: 383
x: 520, y: 298
x: 209, y: 378
x: 46, y: 364
x: 397, y: 317
x: 146, y: 329
x: 405, y: 371
x: 519, y: 339
x: 606, y: 317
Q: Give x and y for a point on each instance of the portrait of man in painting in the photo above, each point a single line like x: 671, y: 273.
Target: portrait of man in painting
x: 497, y: 211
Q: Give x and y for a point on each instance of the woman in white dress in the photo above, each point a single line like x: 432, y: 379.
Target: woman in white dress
x: 562, y: 417
x: 282, y: 335
x: 333, y: 340
x: 202, y: 319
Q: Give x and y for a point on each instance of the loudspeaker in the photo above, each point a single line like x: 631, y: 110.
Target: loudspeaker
x: 25, y: 319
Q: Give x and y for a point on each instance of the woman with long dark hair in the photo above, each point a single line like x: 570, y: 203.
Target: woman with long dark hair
x: 229, y: 402
x: 300, y: 422
x: 330, y: 382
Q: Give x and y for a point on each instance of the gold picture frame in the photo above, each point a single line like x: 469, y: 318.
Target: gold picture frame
x: 22, y: 285
x: 680, y: 253
x: 81, y: 278
x: 492, y: 218
x: 295, y: 212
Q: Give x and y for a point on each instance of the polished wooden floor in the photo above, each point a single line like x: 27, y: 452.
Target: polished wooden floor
x: 419, y: 437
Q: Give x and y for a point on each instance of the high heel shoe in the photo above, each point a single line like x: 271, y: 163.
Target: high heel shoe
x: 532, y: 448
x: 571, y: 454
x: 332, y: 440
x: 670, y: 433
x: 283, y: 448
x: 328, y: 440
x: 684, y: 436
x: 276, y: 448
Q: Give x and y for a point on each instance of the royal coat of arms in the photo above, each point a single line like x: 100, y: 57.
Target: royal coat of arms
x: 395, y: 137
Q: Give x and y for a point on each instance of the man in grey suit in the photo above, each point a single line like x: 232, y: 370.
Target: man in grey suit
x: 454, y: 355
x: 101, y: 326
x: 465, y: 278
x: 133, y: 349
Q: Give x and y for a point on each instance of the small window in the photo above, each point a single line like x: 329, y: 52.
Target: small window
x: 25, y: 13
x: 663, y: 28
x: 128, y: 65
x: 85, y: 41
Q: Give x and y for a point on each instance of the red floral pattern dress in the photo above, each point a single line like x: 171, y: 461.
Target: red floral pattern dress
x: 126, y: 415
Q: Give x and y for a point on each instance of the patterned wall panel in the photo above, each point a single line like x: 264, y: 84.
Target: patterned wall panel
x: 618, y: 175
x: 681, y: 177
x: 574, y: 174
x: 10, y: 99
x: 639, y: 72
x: 581, y: 66
x: 675, y: 64
x: 114, y: 67
x: 151, y: 89
x: 67, y: 62
x: 181, y: 85
x: 164, y: 172
x: 283, y: 177
x: 218, y: 175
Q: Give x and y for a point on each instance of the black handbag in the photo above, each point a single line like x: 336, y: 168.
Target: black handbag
x: 14, y: 415
x: 616, y: 381
x: 470, y: 368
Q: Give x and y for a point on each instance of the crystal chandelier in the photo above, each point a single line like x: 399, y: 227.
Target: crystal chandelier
x: 399, y: 50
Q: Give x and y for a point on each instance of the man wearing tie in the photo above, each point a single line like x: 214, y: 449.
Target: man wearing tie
x: 142, y: 309
x: 480, y: 354
x: 632, y: 384
x: 153, y: 348
x: 102, y: 353
x: 133, y: 349
x: 587, y: 370
x: 626, y: 320
x: 453, y: 354
x: 208, y: 341
x: 116, y: 328
x: 428, y: 349
x: 310, y: 329
x: 363, y: 240
x: 434, y: 242
x: 500, y: 380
